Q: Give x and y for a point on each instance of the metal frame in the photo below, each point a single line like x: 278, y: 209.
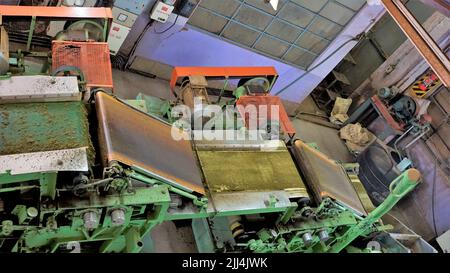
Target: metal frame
x: 223, y: 72
x: 384, y: 112
x: 286, y: 124
x: 61, y: 13
x: 375, y: 104
x: 92, y: 59
x: 420, y: 38
x: 274, y: 17
x: 56, y: 12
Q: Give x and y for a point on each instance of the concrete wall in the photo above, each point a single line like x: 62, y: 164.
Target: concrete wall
x: 184, y: 46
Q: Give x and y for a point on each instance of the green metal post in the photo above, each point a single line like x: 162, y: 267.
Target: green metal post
x: 105, y: 30
x: 222, y: 91
x: 133, y: 240
x: 48, y: 184
x: 198, y: 201
x: 401, y: 186
x: 31, y: 32
x: 284, y: 218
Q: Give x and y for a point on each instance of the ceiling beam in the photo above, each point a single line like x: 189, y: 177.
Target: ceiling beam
x: 426, y: 46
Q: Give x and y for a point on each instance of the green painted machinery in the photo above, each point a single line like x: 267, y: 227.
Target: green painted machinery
x: 98, y: 176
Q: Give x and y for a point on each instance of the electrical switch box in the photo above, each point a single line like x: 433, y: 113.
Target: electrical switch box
x: 133, y: 6
x: 161, y: 12
x: 117, y: 36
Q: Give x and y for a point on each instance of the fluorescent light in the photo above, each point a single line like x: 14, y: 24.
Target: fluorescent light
x: 273, y: 3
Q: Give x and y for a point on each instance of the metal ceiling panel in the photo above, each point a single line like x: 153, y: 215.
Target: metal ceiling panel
x: 240, y: 34
x: 284, y: 31
x: 296, y: 15
x: 264, y: 6
x: 208, y: 21
x: 325, y: 28
x: 272, y: 46
x: 337, y: 13
x: 299, y: 57
x: 312, y: 42
x: 253, y: 17
x: 315, y: 5
x: 282, y: 34
x: 224, y: 7
x: 353, y: 4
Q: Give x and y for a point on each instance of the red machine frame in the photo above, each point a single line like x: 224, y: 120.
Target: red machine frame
x: 384, y: 112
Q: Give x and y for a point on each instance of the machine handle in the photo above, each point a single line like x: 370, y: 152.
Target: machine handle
x: 401, y: 186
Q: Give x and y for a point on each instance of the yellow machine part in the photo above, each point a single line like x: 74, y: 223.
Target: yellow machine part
x: 251, y: 170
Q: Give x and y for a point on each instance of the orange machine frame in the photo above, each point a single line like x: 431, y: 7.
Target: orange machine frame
x: 236, y: 72
x: 231, y: 71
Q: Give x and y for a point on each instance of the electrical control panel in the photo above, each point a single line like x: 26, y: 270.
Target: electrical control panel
x: 161, y: 12
x: 133, y: 6
x: 123, y: 17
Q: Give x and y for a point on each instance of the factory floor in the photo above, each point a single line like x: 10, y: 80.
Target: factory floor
x: 169, y: 237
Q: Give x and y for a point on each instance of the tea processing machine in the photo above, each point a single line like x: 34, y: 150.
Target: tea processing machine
x: 100, y: 174
x: 82, y: 170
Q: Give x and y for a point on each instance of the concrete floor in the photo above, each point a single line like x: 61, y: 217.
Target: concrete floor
x: 326, y: 138
x: 167, y: 237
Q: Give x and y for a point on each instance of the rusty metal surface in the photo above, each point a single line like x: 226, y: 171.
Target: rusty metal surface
x: 136, y: 139
x: 228, y: 170
x: 326, y: 178
x: 426, y: 46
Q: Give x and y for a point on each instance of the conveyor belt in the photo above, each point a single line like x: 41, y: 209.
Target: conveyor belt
x: 136, y: 139
x: 230, y: 170
x: 326, y: 178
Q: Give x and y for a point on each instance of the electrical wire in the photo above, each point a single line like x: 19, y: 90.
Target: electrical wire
x: 141, y: 36
x: 135, y: 45
x: 167, y: 29
x: 358, y: 38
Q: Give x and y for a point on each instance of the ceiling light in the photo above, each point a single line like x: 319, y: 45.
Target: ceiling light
x: 273, y: 3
